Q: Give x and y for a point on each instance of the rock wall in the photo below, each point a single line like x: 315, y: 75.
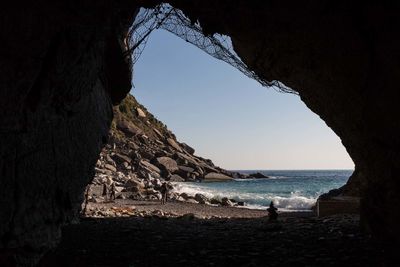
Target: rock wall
x: 61, y: 68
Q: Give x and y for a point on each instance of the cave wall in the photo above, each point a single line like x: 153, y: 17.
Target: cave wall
x: 343, y: 59
x: 61, y: 69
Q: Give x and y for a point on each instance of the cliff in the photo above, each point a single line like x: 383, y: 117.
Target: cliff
x: 142, y: 147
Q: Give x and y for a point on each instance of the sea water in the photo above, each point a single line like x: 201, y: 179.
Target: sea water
x: 290, y: 190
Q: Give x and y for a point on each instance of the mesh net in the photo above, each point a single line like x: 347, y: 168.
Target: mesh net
x: 166, y: 17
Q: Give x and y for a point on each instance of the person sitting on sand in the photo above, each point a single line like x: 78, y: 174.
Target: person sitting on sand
x: 272, y: 214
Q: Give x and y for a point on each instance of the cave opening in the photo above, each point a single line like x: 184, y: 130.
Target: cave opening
x: 341, y: 57
x: 204, y: 100
x: 178, y: 234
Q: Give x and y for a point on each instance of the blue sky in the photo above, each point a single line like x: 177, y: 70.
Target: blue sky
x: 228, y: 117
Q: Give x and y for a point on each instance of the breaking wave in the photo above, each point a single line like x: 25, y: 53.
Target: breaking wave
x: 292, y: 190
x: 293, y: 202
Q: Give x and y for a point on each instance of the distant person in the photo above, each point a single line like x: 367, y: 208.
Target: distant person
x: 164, y: 192
x: 105, y: 193
x: 112, y: 191
x: 272, y: 214
x: 137, y: 160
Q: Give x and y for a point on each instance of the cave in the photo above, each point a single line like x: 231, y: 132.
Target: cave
x: 64, y: 66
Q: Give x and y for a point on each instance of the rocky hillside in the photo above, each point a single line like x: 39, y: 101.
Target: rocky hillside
x: 141, y: 147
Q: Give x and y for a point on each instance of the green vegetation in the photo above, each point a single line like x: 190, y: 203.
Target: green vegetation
x: 127, y: 110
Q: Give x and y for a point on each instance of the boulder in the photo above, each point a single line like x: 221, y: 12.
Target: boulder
x: 238, y: 175
x: 184, y: 160
x: 109, y: 160
x: 168, y: 164
x: 202, y: 199
x: 140, y: 113
x: 126, y: 166
x: 147, y: 154
x: 155, y: 175
x: 119, y: 158
x: 132, y: 145
x: 159, y: 143
x: 128, y: 128
x: 188, y: 148
x: 226, y: 202
x: 150, y: 166
x: 176, y: 178
x: 199, y: 170
x: 110, y: 167
x: 151, y: 191
x: 215, y: 201
x: 158, y: 133
x: 143, y: 139
x: 257, y: 175
x: 184, y: 196
x: 208, y: 168
x: 103, y: 171
x: 174, y: 144
x: 134, y: 185
x: 184, y: 171
x: 213, y: 176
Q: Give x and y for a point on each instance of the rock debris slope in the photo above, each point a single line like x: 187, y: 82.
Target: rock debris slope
x: 142, y: 147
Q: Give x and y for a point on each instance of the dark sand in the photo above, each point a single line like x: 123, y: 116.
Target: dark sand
x: 246, y: 238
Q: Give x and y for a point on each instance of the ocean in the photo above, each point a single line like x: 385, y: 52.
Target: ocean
x: 290, y: 190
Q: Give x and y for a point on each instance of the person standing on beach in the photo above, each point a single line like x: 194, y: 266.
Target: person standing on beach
x: 104, y: 194
x: 164, y: 193
x: 272, y: 214
x: 137, y: 160
x: 112, y: 191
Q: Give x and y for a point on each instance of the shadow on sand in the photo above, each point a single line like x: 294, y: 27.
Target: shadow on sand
x: 188, y: 241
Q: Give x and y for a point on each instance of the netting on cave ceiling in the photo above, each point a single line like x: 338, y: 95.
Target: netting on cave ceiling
x: 166, y: 17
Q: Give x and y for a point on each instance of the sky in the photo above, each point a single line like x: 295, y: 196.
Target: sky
x: 228, y: 117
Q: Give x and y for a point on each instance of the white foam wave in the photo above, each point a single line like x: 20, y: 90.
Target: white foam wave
x: 294, y: 202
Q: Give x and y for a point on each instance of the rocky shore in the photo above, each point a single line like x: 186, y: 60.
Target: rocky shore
x: 141, y: 154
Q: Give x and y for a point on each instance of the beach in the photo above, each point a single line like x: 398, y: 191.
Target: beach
x: 179, y: 208
x: 186, y: 234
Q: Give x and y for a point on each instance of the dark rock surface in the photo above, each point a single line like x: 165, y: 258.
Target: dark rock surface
x: 257, y: 175
x: 60, y: 63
